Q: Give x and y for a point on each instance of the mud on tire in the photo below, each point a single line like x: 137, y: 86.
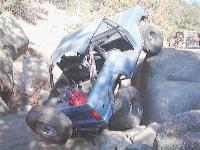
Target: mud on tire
x: 52, y: 125
x: 128, y: 109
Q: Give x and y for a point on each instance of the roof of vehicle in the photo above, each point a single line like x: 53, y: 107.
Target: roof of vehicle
x: 78, y: 40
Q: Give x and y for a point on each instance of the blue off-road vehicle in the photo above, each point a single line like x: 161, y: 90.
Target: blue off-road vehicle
x: 89, y: 95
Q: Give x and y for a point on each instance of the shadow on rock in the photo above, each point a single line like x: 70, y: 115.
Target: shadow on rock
x: 170, y: 84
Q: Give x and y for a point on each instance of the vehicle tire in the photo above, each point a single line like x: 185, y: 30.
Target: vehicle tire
x: 152, y: 38
x: 128, y: 109
x: 52, y: 125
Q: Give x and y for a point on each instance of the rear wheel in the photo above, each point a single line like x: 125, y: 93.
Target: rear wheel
x: 128, y: 109
x: 52, y: 125
x: 152, y: 38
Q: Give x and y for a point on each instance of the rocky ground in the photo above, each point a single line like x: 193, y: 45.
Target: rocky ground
x: 14, y: 134
x: 169, y: 83
x: 170, y: 99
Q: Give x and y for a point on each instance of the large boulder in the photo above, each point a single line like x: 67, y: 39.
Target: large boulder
x: 12, y: 36
x: 170, y: 84
x: 168, y: 98
x: 174, y: 65
x: 6, y: 72
x: 112, y: 140
x: 31, y: 80
x: 13, y: 43
x: 182, y: 132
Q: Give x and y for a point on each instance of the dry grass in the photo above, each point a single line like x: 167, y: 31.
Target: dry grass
x: 170, y: 15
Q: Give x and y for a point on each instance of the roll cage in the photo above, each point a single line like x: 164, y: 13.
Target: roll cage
x: 99, y: 41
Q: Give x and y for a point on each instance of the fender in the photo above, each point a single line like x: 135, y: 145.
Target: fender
x: 99, y: 96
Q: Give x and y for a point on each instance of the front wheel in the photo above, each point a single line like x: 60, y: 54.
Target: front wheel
x: 52, y: 125
x: 152, y: 38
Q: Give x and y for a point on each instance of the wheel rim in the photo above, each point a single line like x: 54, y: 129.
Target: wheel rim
x: 46, y: 130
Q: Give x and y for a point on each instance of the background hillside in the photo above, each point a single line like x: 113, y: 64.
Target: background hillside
x: 170, y: 15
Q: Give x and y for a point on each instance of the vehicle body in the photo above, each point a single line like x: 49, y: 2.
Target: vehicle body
x: 101, y: 56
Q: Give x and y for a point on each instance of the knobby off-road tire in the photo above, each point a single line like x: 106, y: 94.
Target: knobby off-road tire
x: 152, y: 38
x: 128, y: 109
x: 52, y: 125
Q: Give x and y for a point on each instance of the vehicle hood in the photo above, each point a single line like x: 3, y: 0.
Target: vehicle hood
x: 78, y: 40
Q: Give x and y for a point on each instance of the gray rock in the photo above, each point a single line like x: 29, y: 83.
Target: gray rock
x: 170, y: 84
x: 3, y: 107
x: 147, y: 136
x: 12, y: 36
x: 139, y: 147
x: 163, y: 100
x: 112, y: 140
x: 132, y: 133
x: 141, y: 137
x: 31, y: 78
x: 6, y: 72
x: 13, y: 42
x: 182, y: 132
x: 175, y: 65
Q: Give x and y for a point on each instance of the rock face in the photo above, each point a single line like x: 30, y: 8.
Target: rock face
x: 12, y: 36
x: 182, y: 132
x: 171, y: 84
x: 6, y: 71
x: 13, y: 43
x: 31, y: 78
